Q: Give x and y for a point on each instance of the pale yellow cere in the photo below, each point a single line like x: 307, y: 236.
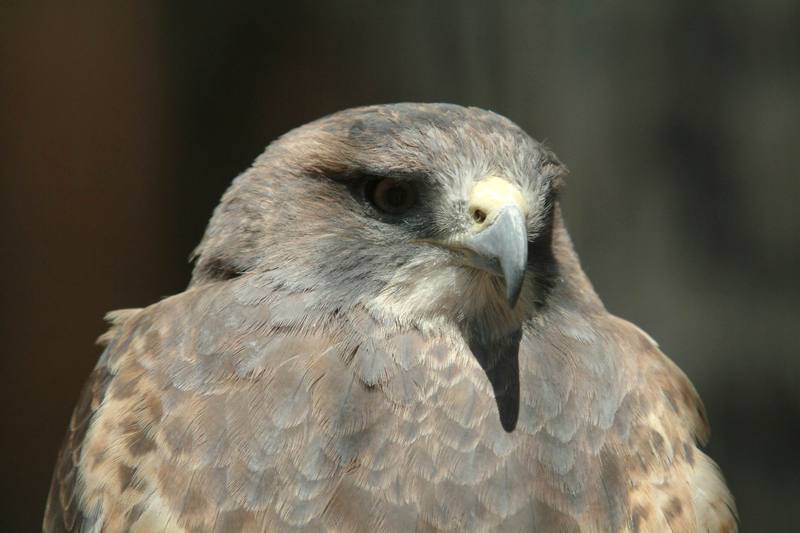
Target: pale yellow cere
x: 491, y: 194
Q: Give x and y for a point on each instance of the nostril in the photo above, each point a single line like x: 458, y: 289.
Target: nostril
x: 479, y: 216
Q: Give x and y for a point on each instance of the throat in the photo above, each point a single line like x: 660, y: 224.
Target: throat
x: 499, y: 358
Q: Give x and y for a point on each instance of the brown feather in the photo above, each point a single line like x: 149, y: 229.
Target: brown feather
x: 266, y: 399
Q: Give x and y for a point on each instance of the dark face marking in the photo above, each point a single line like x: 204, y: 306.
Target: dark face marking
x: 541, y: 261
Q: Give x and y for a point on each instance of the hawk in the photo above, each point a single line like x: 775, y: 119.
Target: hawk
x: 387, y: 329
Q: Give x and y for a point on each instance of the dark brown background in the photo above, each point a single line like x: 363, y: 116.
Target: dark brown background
x: 122, y: 123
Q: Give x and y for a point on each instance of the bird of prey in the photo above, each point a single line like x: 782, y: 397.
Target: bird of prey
x: 387, y: 329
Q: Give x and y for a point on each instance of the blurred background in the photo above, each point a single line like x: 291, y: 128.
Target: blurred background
x: 121, y: 124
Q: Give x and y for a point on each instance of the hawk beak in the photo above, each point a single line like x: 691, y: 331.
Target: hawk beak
x: 499, y: 237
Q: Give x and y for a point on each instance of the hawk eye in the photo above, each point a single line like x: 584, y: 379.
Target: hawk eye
x: 391, y: 196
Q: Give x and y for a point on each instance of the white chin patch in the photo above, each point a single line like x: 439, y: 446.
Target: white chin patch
x: 428, y: 296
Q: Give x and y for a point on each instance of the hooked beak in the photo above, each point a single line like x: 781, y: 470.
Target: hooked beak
x: 502, y: 248
x: 499, y: 239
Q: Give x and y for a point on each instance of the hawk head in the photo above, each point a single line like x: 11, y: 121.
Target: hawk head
x: 418, y: 212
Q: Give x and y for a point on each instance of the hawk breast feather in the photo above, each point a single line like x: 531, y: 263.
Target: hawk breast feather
x: 244, y: 406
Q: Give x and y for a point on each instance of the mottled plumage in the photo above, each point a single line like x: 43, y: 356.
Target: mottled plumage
x: 331, y: 367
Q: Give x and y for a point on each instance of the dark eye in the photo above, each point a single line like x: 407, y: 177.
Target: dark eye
x: 391, y: 196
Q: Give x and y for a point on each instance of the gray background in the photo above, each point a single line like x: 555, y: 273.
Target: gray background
x: 122, y: 123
